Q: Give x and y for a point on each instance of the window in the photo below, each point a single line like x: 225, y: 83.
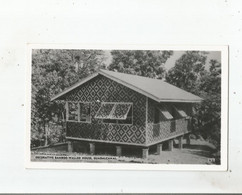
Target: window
x: 72, y: 111
x: 85, y: 112
x: 166, y: 113
x: 104, y: 111
x: 181, y: 112
x: 161, y: 113
x: 121, y: 113
x: 79, y: 112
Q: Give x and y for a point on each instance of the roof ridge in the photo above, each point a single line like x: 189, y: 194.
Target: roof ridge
x: 133, y: 75
x: 145, y: 78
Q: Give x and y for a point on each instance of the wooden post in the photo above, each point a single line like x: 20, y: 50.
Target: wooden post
x: 92, y: 148
x: 180, y: 142
x: 188, y: 140
x: 67, y: 111
x: 70, y: 146
x: 118, y: 151
x: 159, y: 149
x: 145, y: 153
x: 170, y: 145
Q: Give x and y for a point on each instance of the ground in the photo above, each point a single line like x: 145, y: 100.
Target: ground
x: 198, y: 152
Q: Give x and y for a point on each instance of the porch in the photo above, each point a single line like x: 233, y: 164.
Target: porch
x: 166, y: 130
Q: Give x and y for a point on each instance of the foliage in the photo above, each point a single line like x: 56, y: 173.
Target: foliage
x: 209, y: 113
x: 55, y: 70
x: 190, y: 74
x: 188, y: 70
x: 140, y: 62
x: 52, y: 72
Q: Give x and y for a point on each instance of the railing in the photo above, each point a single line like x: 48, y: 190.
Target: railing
x: 167, y: 129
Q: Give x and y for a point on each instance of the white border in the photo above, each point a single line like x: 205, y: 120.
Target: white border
x: 110, y: 166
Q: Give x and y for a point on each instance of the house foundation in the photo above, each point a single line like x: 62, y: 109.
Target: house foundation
x: 92, y: 148
x: 159, y: 149
x: 170, y: 145
x: 70, y: 146
x: 118, y: 151
x: 188, y: 140
x: 145, y: 153
x: 180, y: 145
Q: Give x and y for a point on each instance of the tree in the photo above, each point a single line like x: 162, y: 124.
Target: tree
x: 188, y: 70
x: 190, y: 74
x: 52, y: 72
x: 209, y: 113
x: 140, y: 62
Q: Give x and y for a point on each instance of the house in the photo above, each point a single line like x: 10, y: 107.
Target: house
x: 124, y: 109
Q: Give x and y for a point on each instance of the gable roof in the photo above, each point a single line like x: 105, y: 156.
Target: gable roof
x: 155, y: 89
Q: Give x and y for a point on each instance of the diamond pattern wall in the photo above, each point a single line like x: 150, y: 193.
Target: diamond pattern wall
x: 101, y: 89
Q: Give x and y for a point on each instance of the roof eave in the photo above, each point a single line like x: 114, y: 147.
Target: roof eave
x: 182, y: 101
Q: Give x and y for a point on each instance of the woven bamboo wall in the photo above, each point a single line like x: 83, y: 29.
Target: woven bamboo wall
x: 106, y: 90
x: 166, y: 129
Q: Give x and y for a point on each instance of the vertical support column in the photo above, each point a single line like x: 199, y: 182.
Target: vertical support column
x: 70, y: 146
x: 67, y: 111
x: 159, y: 149
x: 78, y: 111
x: 170, y: 145
x: 92, y: 148
x: 146, y: 120
x: 188, y: 140
x: 118, y: 151
x: 180, y: 146
x: 145, y: 153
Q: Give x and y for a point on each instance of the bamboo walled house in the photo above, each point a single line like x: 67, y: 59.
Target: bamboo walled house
x: 124, y: 109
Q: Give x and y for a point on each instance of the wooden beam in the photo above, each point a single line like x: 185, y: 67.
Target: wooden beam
x: 188, y: 140
x: 159, y: 149
x: 70, y: 146
x: 180, y: 146
x: 92, y: 148
x: 118, y: 151
x: 145, y: 153
x: 67, y: 111
x: 103, y: 141
x: 170, y: 145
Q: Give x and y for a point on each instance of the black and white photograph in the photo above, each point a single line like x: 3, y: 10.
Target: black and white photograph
x: 110, y: 96
x: 126, y: 106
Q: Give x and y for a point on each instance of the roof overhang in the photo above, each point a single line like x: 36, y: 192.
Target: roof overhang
x: 100, y: 72
x: 179, y: 100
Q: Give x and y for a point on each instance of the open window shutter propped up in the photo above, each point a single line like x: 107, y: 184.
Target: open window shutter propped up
x: 165, y: 112
x: 180, y: 111
x: 116, y: 111
x: 120, y: 111
x: 105, y: 111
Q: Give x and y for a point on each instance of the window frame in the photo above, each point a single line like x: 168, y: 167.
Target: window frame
x: 165, y: 107
x: 117, y: 120
x: 78, y: 111
x: 176, y: 108
x: 99, y: 118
